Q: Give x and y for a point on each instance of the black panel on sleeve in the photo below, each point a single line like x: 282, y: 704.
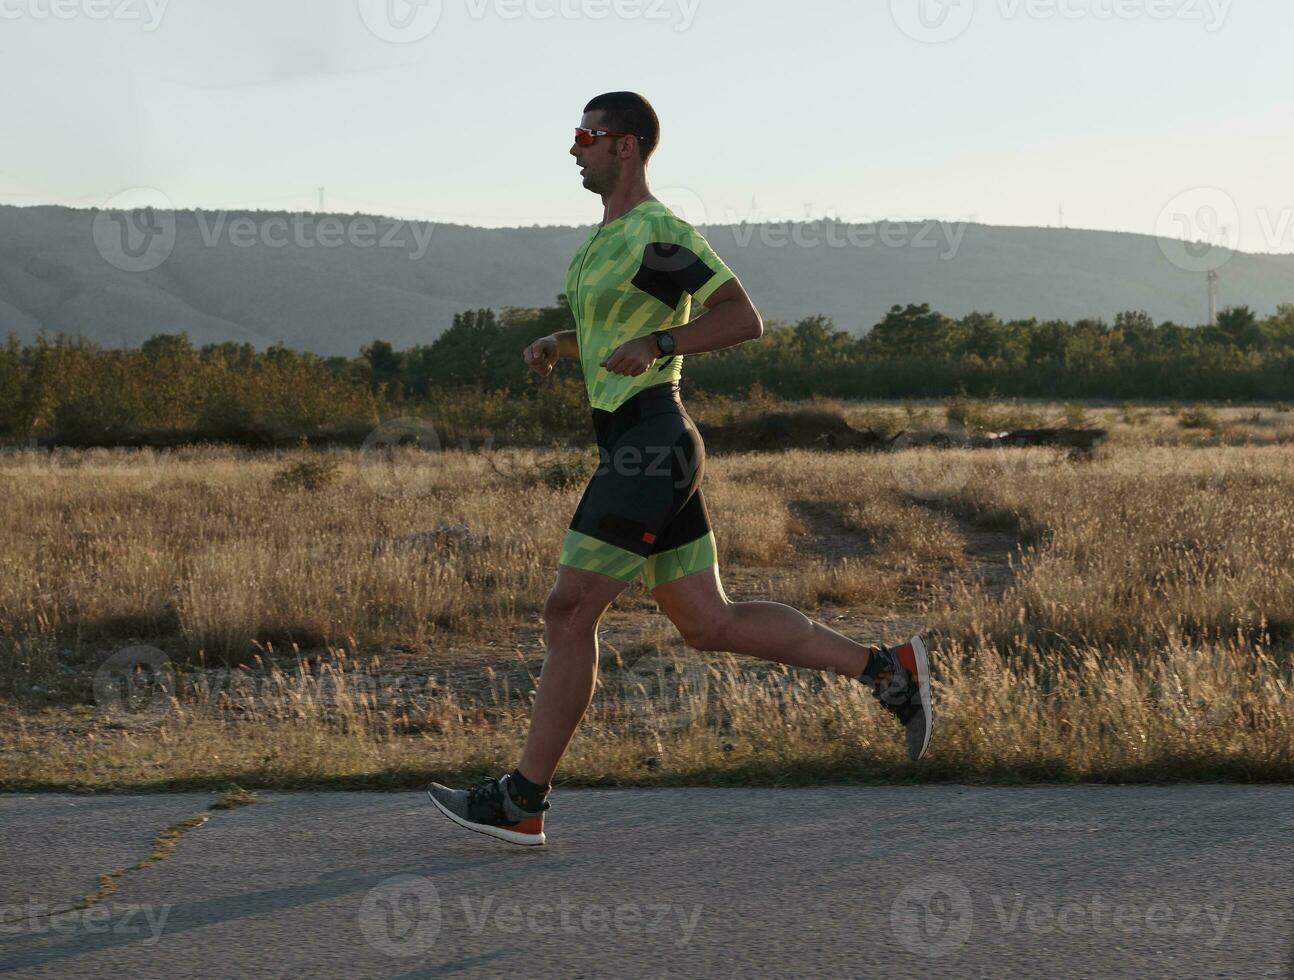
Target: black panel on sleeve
x: 668, y: 271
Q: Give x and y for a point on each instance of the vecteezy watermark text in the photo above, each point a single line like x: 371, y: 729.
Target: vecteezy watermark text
x: 937, y: 915
x: 830, y: 233
x: 681, y: 13
x: 140, y: 682
x: 39, y: 917
x: 566, y: 917
x: 404, y: 915
x: 1097, y: 914
x: 1210, y: 13
x: 939, y: 21
x: 408, y: 21
x: 148, y: 12
x: 308, y: 231
x: 137, y: 230
x: 673, y: 461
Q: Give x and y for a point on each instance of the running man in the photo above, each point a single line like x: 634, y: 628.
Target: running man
x: 631, y: 286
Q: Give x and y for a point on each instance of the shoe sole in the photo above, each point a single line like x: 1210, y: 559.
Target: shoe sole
x: 499, y: 833
x: 923, y: 680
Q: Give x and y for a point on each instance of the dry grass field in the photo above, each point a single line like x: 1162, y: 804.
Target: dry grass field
x: 346, y: 618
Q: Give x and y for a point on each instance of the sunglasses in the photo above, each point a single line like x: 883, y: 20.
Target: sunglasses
x: 586, y: 137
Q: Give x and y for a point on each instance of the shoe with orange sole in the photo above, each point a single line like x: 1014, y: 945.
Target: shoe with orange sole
x: 489, y: 809
x: 900, y: 680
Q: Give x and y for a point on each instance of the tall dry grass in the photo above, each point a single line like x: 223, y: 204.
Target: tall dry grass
x: 213, y: 550
x: 1134, y: 548
x: 1127, y: 616
x: 1181, y: 712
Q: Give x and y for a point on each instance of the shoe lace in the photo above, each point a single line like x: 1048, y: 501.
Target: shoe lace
x: 487, y: 797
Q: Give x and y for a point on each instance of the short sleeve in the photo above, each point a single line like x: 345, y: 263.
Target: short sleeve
x: 678, y: 260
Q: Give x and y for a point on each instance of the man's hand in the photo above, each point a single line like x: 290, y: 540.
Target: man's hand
x: 542, y: 355
x: 633, y: 357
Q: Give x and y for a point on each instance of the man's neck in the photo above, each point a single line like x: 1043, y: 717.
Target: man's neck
x: 622, y: 200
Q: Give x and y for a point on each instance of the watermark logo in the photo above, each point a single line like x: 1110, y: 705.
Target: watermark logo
x: 308, y: 231
x: 135, y: 469
x: 685, y: 203
x: 932, y: 21
x: 674, y: 461
x: 645, y: 224
x: 940, y: 21
x: 393, y: 461
x: 1097, y: 915
x: 37, y: 918
x: 1199, y: 229
x: 404, y: 915
x: 545, y: 918
x: 935, y: 917
x: 400, y: 458
x: 1204, y: 696
x: 932, y: 917
x: 400, y: 21
x: 832, y: 233
x: 654, y: 236
x: 931, y: 465
x: 409, y: 21
x: 135, y: 230
x: 680, y: 13
x: 137, y: 682
x: 1211, y: 13
x: 132, y: 469
x: 401, y: 916
x: 148, y: 13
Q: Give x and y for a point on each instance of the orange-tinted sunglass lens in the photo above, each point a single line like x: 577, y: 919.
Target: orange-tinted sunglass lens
x: 584, y: 137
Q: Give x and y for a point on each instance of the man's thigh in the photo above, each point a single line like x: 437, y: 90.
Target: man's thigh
x: 693, y: 602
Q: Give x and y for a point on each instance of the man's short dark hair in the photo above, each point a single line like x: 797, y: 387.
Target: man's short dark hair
x: 629, y: 112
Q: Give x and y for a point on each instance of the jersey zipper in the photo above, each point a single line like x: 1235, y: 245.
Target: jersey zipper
x: 579, y: 276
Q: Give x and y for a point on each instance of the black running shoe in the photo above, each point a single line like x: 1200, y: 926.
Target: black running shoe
x: 900, y: 680
x: 489, y: 809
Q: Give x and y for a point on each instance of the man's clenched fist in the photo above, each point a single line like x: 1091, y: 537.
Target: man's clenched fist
x: 542, y: 355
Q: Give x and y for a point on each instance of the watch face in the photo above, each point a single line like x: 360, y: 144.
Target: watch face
x: 665, y: 343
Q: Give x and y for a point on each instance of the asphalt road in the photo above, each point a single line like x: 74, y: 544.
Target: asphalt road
x: 929, y: 881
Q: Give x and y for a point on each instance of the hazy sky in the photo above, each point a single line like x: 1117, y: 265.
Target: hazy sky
x: 998, y: 111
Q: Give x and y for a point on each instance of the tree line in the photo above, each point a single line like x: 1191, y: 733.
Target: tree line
x: 70, y: 391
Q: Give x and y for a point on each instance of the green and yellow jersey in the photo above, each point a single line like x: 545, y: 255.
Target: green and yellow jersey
x: 634, y: 275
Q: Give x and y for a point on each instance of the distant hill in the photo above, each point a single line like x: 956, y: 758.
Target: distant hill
x: 332, y: 300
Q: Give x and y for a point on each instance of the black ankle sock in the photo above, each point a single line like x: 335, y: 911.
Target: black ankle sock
x: 524, y: 793
x: 875, y: 664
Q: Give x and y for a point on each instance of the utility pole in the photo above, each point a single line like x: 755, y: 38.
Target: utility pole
x: 321, y: 200
x: 1213, y: 297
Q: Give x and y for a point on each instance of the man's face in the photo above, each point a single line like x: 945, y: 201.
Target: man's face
x: 599, y: 163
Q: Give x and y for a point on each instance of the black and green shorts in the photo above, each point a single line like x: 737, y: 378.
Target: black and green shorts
x: 642, y: 512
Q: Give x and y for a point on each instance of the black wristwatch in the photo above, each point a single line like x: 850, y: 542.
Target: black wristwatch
x: 664, y: 342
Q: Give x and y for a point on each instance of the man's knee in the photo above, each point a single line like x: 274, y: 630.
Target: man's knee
x: 567, y: 611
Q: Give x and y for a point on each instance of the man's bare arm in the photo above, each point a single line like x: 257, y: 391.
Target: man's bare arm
x: 568, y: 347
x: 732, y: 319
